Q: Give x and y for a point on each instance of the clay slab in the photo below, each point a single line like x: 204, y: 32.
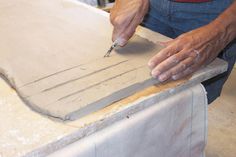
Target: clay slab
x: 52, y: 52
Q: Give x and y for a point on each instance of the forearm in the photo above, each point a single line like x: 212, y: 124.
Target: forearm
x: 225, y: 24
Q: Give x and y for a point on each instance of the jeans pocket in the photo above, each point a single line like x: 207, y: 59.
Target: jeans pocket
x: 230, y: 50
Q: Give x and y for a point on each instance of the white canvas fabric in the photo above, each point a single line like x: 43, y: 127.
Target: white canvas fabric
x: 175, y: 127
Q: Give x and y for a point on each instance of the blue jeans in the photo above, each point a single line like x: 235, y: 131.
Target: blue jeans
x: 172, y: 19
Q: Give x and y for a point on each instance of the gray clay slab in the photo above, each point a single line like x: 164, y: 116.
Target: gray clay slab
x: 51, y: 52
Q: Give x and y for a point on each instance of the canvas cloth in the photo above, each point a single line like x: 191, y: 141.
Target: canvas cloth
x: 174, y: 127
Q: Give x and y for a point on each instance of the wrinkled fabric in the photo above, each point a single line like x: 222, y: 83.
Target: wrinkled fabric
x: 174, y: 127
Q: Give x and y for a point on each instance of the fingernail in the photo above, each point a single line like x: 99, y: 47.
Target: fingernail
x: 162, y: 77
x: 155, y: 73
x: 121, y: 41
x: 151, y: 64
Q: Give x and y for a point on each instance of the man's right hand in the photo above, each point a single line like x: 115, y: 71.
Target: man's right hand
x: 125, y: 16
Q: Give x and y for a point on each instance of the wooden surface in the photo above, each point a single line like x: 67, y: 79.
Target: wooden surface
x: 30, y: 134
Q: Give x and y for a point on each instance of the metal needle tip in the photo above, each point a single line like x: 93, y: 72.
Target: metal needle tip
x: 108, y: 52
x: 110, y: 49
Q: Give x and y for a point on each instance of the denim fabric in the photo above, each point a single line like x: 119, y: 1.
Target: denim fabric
x: 173, y: 18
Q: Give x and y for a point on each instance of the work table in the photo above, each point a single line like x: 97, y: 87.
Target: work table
x: 27, y: 133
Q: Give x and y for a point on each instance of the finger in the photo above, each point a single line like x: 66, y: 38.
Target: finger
x: 120, y: 24
x: 168, y: 64
x: 120, y: 41
x: 179, y: 68
x: 130, y: 30
x: 182, y: 66
x: 195, y: 54
x: 186, y: 72
x: 165, y: 43
x: 162, y: 55
x: 174, y: 60
x: 197, y: 60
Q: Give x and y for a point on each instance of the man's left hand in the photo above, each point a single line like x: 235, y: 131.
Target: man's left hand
x: 187, y: 53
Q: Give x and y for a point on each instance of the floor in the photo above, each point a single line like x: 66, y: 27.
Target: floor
x: 222, y: 122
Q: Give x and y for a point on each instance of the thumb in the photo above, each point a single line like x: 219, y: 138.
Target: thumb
x: 121, y: 41
x: 118, y: 38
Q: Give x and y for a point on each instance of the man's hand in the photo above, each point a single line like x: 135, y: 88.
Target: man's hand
x: 125, y: 16
x: 187, y: 53
x: 190, y: 51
